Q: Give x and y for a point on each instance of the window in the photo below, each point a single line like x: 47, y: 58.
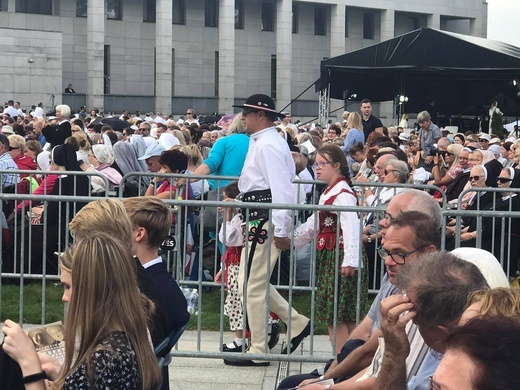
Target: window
x: 273, y: 76
x: 416, y: 24
x: 106, y: 70
x: 43, y: 7
x: 211, y: 13
x: 239, y: 14
x: 149, y: 11
x: 368, y: 25
x: 81, y: 8
x: 267, y: 16
x: 114, y: 9
x: 320, y: 26
x: 179, y: 11
x: 295, y: 18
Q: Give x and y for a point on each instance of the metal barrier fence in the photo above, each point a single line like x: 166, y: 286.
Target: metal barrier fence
x: 196, y: 230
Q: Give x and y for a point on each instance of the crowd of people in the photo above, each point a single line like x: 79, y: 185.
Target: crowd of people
x: 267, y: 152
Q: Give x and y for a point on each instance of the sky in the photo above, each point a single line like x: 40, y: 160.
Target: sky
x: 504, y: 21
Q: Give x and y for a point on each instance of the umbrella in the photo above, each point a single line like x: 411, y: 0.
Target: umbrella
x: 116, y: 123
x: 226, y: 121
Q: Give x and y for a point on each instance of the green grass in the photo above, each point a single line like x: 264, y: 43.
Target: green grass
x: 32, y: 306
x: 32, y: 303
x: 210, y: 318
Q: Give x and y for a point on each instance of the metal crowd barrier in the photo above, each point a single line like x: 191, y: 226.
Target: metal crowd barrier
x: 194, y: 231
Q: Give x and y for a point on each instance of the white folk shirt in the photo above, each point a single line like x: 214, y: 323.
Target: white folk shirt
x: 269, y: 165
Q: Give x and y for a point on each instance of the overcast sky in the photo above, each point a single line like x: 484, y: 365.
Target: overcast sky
x: 504, y: 21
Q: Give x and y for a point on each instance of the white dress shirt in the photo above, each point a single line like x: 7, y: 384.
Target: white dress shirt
x: 269, y: 165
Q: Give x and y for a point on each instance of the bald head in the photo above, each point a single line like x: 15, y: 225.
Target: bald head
x: 443, y: 143
x: 381, y: 164
x: 412, y: 200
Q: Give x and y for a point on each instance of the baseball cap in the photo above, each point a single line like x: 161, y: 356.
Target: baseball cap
x: 485, y: 136
x: 152, y: 151
x: 261, y: 102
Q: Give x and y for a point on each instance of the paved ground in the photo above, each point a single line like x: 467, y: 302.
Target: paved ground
x: 213, y: 374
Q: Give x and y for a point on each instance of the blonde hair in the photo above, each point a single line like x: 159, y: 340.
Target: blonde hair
x: 193, y: 153
x: 17, y: 141
x: 237, y: 126
x: 354, y: 121
x: 82, y: 139
x: 153, y: 215
x: 180, y: 136
x: 105, y: 299
x: 496, y: 301
x: 300, y: 161
x: 104, y: 215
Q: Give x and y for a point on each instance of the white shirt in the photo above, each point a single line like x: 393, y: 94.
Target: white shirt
x: 11, y: 111
x: 38, y: 112
x: 157, y: 260
x: 269, y: 165
x: 349, y: 223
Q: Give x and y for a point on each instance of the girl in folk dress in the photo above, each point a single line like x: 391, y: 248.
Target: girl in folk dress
x: 331, y: 167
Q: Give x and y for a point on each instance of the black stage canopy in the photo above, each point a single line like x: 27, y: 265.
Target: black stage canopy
x: 459, y: 73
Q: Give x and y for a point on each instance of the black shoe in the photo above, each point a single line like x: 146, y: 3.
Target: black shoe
x: 295, y: 341
x: 245, y: 363
x: 274, y: 336
x: 235, y: 348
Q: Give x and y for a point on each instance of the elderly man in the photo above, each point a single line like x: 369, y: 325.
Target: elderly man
x: 266, y: 177
x: 429, y: 134
x: 415, y: 240
x: 437, y: 288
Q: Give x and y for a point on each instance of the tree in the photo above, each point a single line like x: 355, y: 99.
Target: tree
x: 496, y: 124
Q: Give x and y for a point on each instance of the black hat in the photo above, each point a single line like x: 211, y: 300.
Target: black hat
x: 261, y: 102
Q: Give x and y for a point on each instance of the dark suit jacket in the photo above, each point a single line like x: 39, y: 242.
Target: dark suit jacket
x: 175, y: 302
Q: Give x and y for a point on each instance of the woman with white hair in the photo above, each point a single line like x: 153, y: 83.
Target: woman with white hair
x: 100, y: 158
x: 56, y: 134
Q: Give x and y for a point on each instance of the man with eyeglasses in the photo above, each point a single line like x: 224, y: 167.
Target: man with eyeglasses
x: 144, y: 129
x: 414, y: 233
x: 435, y: 292
x: 266, y: 177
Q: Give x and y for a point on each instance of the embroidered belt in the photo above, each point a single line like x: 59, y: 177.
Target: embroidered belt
x: 260, y: 196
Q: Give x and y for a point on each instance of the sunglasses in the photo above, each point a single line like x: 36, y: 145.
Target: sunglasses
x: 474, y: 178
x: 11, y: 148
x: 482, y: 140
x: 247, y: 112
x: 189, y: 113
x: 449, y: 154
x: 503, y: 180
x: 388, y: 171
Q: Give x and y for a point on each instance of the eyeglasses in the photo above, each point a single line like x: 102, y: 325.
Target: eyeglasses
x: 482, y: 140
x: 503, y: 180
x: 399, y: 258
x: 388, y: 217
x: 433, y: 385
x: 143, y: 128
x: 474, y: 178
x: 11, y: 148
x: 189, y: 113
x: 391, y: 170
x: 448, y: 154
x: 321, y: 164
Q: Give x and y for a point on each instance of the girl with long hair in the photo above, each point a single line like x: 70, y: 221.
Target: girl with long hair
x: 331, y: 167
x: 106, y: 337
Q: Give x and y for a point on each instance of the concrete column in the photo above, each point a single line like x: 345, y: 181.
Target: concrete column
x: 226, y: 49
x: 434, y: 21
x: 387, y: 32
x: 163, y: 56
x: 283, y: 53
x: 11, y: 5
x: 337, y: 30
x: 387, y: 24
x: 95, y: 52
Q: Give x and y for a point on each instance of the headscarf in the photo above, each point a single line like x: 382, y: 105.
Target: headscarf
x: 136, y: 140
x: 107, y: 141
x: 168, y: 140
x: 65, y: 156
x: 126, y: 158
x: 44, y: 160
x: 488, y: 265
x: 104, y: 154
x: 488, y: 156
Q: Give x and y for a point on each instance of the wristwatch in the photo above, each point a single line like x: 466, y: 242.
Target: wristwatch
x: 327, y: 387
x: 369, y: 239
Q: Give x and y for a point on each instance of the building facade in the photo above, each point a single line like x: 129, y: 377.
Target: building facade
x: 170, y: 55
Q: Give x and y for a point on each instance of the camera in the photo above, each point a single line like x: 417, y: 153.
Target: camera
x: 434, y: 152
